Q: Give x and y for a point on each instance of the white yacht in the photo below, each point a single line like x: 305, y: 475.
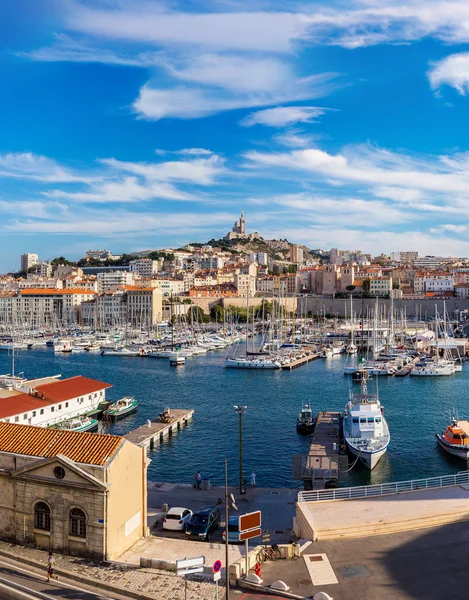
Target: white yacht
x: 63, y: 346
x: 123, y: 352
x: 434, y: 369
x: 366, y: 431
x: 252, y: 363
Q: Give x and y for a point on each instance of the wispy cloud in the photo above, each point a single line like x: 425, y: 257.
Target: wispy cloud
x: 282, y: 116
x: 27, y: 165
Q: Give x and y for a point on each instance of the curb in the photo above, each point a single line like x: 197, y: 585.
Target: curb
x: 262, y: 588
x: 94, y: 582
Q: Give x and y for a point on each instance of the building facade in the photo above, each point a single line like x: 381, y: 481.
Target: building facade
x: 74, y: 493
x: 28, y: 260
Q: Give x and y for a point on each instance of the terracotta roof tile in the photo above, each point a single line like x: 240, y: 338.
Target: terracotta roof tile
x: 71, y: 388
x: 87, y: 448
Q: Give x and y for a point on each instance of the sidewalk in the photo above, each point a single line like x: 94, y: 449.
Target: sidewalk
x: 128, y: 580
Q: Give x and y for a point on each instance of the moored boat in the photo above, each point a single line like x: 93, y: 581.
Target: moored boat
x: 455, y: 439
x: 120, y: 409
x: 78, y: 424
x: 305, y: 423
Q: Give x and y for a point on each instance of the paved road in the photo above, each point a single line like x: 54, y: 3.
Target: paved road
x: 22, y: 582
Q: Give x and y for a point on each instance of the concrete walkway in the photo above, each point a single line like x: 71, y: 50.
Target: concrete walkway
x: 341, y: 519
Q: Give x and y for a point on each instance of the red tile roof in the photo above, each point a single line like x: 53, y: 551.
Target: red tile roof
x: 16, y: 403
x: 70, y: 388
x: 36, y: 291
x: 87, y: 448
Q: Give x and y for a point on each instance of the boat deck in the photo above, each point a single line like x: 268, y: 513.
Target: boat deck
x: 154, y: 431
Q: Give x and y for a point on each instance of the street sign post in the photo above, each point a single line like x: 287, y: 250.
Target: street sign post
x: 265, y: 536
x: 186, y: 566
x: 217, y: 575
x: 249, y: 526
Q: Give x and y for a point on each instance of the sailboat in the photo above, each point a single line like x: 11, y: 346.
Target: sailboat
x: 351, y: 348
x: 366, y: 431
x: 435, y: 367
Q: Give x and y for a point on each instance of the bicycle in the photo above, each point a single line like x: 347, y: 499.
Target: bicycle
x: 268, y: 553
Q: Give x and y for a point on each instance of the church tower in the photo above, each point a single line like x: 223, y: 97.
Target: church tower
x: 242, y: 223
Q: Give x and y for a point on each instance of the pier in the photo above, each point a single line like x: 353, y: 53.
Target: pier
x: 153, y: 432
x: 301, y: 361
x: 324, y: 465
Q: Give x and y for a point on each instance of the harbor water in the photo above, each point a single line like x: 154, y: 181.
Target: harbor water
x: 416, y: 408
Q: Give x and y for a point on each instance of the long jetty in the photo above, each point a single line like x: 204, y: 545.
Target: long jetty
x: 324, y: 463
x: 155, y: 431
x: 294, y: 364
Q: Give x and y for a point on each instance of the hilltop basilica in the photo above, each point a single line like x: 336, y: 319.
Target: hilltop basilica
x: 239, y: 231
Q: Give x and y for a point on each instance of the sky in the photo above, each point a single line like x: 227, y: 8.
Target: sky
x: 136, y: 124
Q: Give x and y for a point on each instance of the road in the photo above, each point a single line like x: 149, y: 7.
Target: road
x: 22, y: 582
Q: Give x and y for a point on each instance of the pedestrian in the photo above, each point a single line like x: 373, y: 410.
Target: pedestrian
x: 253, y: 479
x: 51, y: 567
x: 198, y: 479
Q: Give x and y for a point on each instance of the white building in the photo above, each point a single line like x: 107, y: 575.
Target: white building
x: 48, y: 401
x: 44, y: 269
x: 145, y: 267
x: 380, y: 286
x: 113, y: 279
x: 101, y: 255
x: 261, y: 258
x: 28, y: 260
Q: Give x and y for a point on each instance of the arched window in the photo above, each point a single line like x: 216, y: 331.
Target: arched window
x: 77, y: 523
x: 42, y: 516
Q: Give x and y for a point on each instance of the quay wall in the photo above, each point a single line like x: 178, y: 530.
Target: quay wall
x: 207, y: 303
x: 424, y: 307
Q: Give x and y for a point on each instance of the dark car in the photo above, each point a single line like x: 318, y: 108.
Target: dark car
x: 203, y: 523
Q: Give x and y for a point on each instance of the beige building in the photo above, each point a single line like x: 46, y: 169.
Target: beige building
x: 76, y: 493
x: 144, y: 305
x: 380, y: 286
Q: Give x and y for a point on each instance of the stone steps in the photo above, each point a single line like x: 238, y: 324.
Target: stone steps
x: 397, y: 526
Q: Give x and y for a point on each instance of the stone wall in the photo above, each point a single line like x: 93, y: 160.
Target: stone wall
x: 424, y: 307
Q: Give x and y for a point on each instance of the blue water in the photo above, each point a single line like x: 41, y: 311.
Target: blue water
x: 416, y: 408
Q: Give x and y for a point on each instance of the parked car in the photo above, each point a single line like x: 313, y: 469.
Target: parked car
x: 177, y: 518
x: 233, y: 531
x: 203, y: 523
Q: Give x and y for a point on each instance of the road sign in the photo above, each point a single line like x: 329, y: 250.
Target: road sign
x: 265, y: 536
x: 217, y: 566
x: 250, y: 521
x: 217, y: 576
x: 248, y: 535
x: 186, y: 566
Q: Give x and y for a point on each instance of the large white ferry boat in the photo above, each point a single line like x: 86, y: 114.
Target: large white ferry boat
x: 366, y: 431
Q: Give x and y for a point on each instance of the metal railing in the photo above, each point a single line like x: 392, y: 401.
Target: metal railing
x: 384, y: 489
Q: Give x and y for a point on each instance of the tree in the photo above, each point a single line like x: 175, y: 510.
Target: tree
x: 350, y: 288
x: 197, y: 314
x: 155, y: 255
x: 291, y: 268
x: 366, y: 285
x: 61, y: 260
x: 395, y: 285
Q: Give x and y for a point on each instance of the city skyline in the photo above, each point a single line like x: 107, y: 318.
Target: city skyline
x: 141, y: 124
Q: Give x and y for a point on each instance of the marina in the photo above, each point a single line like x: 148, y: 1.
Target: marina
x: 206, y: 386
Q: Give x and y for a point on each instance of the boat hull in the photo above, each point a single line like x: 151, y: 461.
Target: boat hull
x: 118, y: 415
x: 462, y: 453
x: 369, y: 459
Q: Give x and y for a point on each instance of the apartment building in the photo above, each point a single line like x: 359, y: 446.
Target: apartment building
x: 112, y: 279
x: 296, y: 254
x: 40, y: 306
x: 433, y: 281
x: 245, y: 284
x: 44, y: 269
x: 145, y: 267
x: 380, y: 286
x: 28, y: 260
x: 144, y: 305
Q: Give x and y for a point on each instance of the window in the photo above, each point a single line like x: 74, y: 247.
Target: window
x: 60, y: 407
x: 42, y: 516
x: 371, y: 420
x: 34, y: 413
x: 42, y: 411
x: 378, y: 419
x: 17, y: 419
x: 362, y: 419
x: 77, y: 523
x: 25, y: 416
x: 355, y: 420
x: 52, y: 409
x: 66, y: 404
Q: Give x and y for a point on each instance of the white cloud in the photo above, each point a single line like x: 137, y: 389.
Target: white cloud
x: 151, y: 23
x: 26, y: 165
x: 294, y: 140
x: 127, y: 189
x: 368, y: 165
x: 398, y: 194
x: 282, y: 116
x: 194, y: 152
x: 201, y: 171
x: 453, y: 71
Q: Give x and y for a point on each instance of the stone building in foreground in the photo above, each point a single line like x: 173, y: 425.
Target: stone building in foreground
x: 76, y: 493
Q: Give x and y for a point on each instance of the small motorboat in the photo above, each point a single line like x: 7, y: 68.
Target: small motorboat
x: 78, y: 424
x: 305, y: 423
x: 177, y: 359
x: 120, y: 409
x: 455, y: 440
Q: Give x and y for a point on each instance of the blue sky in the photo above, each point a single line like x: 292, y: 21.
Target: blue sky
x: 132, y: 124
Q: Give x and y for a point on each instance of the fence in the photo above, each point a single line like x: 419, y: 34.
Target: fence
x: 384, y: 489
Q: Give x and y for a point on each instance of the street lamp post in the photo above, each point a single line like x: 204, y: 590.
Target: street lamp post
x: 240, y: 410
x: 229, y: 502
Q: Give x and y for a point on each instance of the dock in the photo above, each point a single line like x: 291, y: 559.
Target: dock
x: 154, y: 432
x: 301, y: 361
x: 324, y: 464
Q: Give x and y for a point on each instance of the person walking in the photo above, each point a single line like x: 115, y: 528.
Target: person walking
x: 253, y: 479
x: 198, y: 479
x: 51, y: 567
